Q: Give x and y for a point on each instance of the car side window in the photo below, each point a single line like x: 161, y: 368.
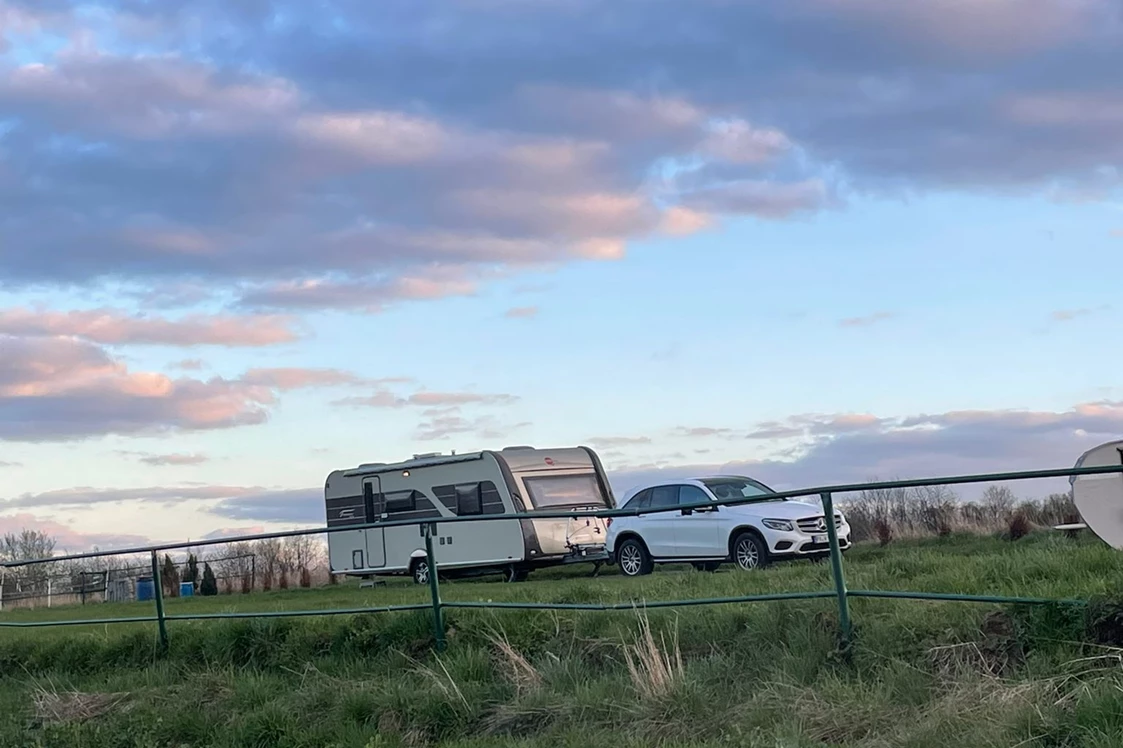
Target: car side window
x: 640, y: 501
x: 662, y: 496
x: 692, y: 495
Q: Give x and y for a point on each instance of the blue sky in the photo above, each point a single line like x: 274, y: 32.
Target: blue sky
x: 233, y: 252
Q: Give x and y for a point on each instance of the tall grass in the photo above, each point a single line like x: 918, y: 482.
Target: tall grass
x: 919, y: 675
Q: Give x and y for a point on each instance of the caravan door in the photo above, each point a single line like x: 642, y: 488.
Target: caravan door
x: 374, y: 506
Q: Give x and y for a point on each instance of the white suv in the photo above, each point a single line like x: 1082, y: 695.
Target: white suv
x: 750, y: 535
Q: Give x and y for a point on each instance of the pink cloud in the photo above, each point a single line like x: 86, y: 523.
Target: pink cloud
x: 110, y: 326
x: 680, y: 221
x: 425, y: 399
x: 292, y: 378
x: 375, y: 137
x: 1067, y: 315
x: 867, y: 320
x: 373, y: 296
x: 521, y: 312
x: 737, y: 141
x: 67, y: 539
x: 63, y: 388
x: 988, y: 27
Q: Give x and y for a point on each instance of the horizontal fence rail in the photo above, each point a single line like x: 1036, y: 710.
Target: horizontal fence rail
x: 437, y: 606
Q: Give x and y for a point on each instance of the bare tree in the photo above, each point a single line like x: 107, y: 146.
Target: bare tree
x: 234, y: 565
x: 28, y: 545
x: 304, y: 553
x: 269, y: 552
x: 998, y: 504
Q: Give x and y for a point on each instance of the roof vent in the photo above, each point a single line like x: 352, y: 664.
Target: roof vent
x: 517, y: 447
x: 426, y: 455
x: 371, y: 465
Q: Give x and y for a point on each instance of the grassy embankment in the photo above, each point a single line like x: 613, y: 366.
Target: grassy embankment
x: 921, y: 674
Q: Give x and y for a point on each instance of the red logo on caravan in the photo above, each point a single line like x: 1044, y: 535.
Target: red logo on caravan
x: 549, y: 460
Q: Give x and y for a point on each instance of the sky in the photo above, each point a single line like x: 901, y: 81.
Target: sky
x: 244, y: 243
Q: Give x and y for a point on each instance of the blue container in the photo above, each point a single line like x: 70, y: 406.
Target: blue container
x: 145, y: 589
x: 186, y: 589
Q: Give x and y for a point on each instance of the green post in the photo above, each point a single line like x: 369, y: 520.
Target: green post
x: 836, y: 571
x: 158, y: 593
x: 434, y: 587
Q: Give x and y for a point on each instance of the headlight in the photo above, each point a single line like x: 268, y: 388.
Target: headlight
x: 777, y: 524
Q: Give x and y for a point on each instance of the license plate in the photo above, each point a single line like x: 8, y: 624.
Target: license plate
x: 818, y: 538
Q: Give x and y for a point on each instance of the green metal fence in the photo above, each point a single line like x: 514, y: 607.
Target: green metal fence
x: 437, y: 606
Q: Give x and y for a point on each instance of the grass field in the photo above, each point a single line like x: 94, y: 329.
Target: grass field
x: 767, y: 674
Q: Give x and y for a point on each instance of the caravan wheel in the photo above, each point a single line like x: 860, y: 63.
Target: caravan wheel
x: 421, y: 571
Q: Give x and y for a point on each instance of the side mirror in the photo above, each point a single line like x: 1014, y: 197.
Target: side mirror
x: 687, y: 512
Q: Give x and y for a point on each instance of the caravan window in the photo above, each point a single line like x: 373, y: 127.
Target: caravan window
x: 400, y: 501
x: 564, y: 490
x: 468, y: 499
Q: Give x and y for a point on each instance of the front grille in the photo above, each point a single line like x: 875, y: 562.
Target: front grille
x: 811, y: 525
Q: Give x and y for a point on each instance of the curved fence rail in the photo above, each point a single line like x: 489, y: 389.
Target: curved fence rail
x: 437, y: 606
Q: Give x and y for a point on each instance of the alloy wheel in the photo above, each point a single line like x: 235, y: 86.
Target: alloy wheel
x: 631, y: 559
x: 748, y: 556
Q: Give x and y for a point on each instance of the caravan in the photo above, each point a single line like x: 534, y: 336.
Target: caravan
x: 485, y: 484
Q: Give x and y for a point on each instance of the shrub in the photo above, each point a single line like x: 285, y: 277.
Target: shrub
x: 1018, y: 526
x: 884, y: 531
x: 209, y: 587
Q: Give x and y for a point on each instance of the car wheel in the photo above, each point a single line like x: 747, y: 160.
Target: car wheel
x: 633, y: 559
x: 749, y: 552
x: 421, y: 571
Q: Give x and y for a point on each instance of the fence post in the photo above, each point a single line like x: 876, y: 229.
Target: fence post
x: 158, y: 594
x: 836, y: 571
x: 434, y: 587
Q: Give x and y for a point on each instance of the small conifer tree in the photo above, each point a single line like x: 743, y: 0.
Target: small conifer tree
x: 209, y: 586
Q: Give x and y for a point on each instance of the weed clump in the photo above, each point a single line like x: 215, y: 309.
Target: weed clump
x: 1104, y: 622
x: 1018, y: 526
x: 884, y: 531
x: 655, y: 668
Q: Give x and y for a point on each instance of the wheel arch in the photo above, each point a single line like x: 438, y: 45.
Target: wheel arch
x: 626, y: 536
x: 740, y: 530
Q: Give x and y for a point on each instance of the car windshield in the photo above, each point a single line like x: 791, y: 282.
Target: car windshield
x: 731, y: 489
